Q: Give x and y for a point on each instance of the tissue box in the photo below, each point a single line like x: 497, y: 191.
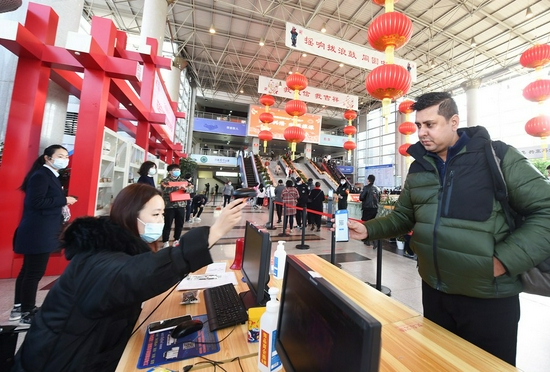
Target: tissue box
x: 254, y: 315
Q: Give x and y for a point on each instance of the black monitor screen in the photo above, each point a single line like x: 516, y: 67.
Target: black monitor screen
x: 255, y: 264
x: 320, y: 329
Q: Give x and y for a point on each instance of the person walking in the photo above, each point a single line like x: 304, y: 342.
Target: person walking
x: 342, y: 192
x: 146, y: 172
x: 174, y: 211
x: 88, y: 316
x: 45, y: 208
x: 216, y: 188
x: 260, y: 196
x: 227, y: 192
x: 468, y: 258
x: 302, y: 203
x: 279, y: 199
x: 197, y: 206
x: 369, y: 197
x: 290, y: 197
x: 315, y: 204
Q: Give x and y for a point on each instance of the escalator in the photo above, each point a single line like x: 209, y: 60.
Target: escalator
x: 248, y: 169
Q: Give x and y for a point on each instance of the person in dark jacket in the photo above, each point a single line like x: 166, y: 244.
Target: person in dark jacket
x: 370, y: 197
x: 315, y: 203
x: 343, y: 191
x: 88, y: 315
x: 279, y: 200
x: 197, y: 206
x: 468, y: 259
x: 38, y: 232
x: 302, y: 202
x: 146, y: 172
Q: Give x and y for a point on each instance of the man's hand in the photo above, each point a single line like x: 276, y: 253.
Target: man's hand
x: 357, y: 230
x: 498, y: 267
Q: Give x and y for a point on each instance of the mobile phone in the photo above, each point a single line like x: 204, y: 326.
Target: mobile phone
x: 166, y: 324
x: 341, y: 225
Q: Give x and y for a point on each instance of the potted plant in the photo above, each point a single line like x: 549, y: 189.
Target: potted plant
x: 400, y: 241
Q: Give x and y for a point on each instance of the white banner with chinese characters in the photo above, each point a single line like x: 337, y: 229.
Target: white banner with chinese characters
x: 310, y: 94
x: 312, y: 42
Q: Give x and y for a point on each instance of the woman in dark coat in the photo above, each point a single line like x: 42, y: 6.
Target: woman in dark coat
x: 315, y: 203
x: 146, y: 172
x: 38, y: 232
x: 88, y: 315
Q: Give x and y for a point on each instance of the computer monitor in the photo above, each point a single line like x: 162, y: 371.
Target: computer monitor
x: 255, y: 265
x: 321, y: 329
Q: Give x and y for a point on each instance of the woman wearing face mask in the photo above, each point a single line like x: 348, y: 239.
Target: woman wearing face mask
x: 38, y: 232
x: 173, y: 210
x: 147, y: 171
x: 88, y: 315
x: 342, y: 191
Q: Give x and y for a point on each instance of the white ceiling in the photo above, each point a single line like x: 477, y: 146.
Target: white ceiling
x: 231, y: 60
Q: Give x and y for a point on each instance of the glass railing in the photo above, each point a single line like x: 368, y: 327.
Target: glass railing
x: 222, y: 117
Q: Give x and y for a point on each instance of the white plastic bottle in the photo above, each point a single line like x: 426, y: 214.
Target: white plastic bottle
x: 268, y: 359
x: 279, y: 261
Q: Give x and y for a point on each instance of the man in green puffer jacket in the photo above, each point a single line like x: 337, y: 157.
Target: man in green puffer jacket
x: 468, y: 259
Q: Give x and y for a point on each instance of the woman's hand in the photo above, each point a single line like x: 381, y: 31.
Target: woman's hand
x: 357, y: 230
x: 71, y: 200
x: 229, y: 217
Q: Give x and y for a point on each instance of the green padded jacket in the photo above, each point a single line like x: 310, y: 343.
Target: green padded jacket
x: 459, y: 226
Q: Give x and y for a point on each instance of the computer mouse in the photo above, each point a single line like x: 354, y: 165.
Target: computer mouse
x: 186, y: 328
x: 245, y: 192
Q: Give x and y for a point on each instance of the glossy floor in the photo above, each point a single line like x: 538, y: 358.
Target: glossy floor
x: 398, y: 275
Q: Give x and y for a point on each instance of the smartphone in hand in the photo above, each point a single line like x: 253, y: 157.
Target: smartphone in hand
x: 341, y: 225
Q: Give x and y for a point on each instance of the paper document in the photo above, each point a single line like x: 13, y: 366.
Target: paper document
x: 216, y: 268
x: 207, y: 281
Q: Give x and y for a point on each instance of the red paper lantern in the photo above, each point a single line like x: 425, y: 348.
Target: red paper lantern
x: 350, y: 130
x: 407, y: 128
x: 350, y: 114
x: 536, y: 56
x: 296, y: 81
x: 539, y: 126
x: 349, y: 145
x: 389, y: 29
x: 267, y: 100
x: 388, y: 82
x: 537, y: 91
x: 383, y: 2
x: 294, y: 134
x: 266, y: 117
x: 296, y: 107
x: 405, y: 107
x: 403, y: 149
x: 265, y: 135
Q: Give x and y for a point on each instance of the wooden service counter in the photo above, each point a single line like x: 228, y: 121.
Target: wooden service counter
x: 409, y: 341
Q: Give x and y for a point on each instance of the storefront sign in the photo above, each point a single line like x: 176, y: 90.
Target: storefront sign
x: 219, y: 126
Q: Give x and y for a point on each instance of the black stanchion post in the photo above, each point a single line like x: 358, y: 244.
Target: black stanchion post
x: 304, y: 219
x: 269, y: 224
x: 284, y: 222
x: 385, y: 290
x: 333, y: 246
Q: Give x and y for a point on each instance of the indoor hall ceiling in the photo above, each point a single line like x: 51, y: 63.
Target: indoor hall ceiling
x: 231, y: 60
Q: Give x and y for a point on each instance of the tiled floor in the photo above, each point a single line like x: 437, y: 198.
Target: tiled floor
x: 399, y: 275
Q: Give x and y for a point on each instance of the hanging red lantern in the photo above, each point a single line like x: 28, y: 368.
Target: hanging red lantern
x: 405, y: 107
x: 382, y: 2
x: 537, y: 91
x: 539, y: 126
x: 265, y: 136
x: 388, y: 82
x: 350, y: 115
x: 294, y: 135
x: 403, y: 149
x: 349, y: 145
x: 266, y: 117
x: 267, y: 100
x: 350, y: 130
x: 390, y: 29
x: 536, y: 56
x: 296, y: 107
x: 407, y: 128
x: 296, y: 81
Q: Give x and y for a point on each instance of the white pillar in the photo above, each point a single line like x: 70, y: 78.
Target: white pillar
x: 256, y: 145
x: 471, y: 87
x: 307, y: 151
x: 56, y: 104
x: 400, y: 160
x: 153, y: 22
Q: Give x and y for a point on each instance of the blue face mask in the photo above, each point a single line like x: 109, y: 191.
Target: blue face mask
x: 176, y: 173
x: 152, y: 231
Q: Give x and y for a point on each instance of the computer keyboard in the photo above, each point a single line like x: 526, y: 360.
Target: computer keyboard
x: 224, y: 307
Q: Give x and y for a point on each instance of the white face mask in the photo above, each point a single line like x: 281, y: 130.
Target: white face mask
x: 342, y: 182
x: 59, y: 163
x: 152, y: 231
x: 152, y: 171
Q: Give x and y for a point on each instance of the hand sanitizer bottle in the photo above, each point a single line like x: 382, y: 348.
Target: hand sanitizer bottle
x: 268, y: 359
x: 279, y: 261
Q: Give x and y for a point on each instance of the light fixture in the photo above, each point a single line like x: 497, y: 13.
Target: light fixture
x: 262, y: 42
x: 473, y: 42
x: 212, y: 29
x: 432, y: 63
x: 341, y: 65
x: 304, y: 55
x: 528, y: 13
x: 324, y: 28
x: 242, y: 91
x: 290, y: 72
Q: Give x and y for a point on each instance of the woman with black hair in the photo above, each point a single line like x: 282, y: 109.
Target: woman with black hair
x: 37, y: 235
x: 88, y: 316
x: 147, y: 170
